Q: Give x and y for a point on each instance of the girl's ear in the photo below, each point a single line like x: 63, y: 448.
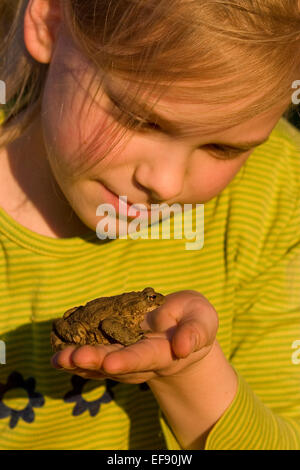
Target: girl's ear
x: 41, y: 21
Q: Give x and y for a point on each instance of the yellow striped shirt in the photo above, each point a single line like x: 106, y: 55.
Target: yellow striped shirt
x: 248, y: 268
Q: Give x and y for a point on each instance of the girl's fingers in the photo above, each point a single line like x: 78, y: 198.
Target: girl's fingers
x: 149, y: 354
x: 188, y: 320
x: 196, y: 330
x: 91, y: 357
x: 175, y: 307
x: 156, y: 352
x: 62, y: 358
x: 84, y: 357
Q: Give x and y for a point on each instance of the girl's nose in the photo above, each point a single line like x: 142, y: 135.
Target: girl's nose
x: 163, y: 173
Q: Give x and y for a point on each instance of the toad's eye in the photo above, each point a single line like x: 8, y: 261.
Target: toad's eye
x: 152, y: 297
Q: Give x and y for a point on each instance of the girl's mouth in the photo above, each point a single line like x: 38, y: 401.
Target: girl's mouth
x: 124, y: 207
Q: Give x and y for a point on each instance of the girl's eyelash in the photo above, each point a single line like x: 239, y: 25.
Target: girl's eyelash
x: 136, y: 120
x: 227, y: 153
x: 146, y: 124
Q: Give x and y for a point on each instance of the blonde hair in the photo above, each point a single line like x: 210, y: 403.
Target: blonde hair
x: 222, y: 50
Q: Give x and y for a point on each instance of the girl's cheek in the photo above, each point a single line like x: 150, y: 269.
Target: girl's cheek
x: 86, y: 140
x: 101, y: 141
x: 78, y: 129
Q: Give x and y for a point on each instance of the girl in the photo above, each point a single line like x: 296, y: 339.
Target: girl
x: 172, y: 103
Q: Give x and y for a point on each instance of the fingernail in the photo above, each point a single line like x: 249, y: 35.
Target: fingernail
x: 54, y: 361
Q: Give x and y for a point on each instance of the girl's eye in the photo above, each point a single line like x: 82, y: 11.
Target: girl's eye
x: 137, y: 121
x: 146, y: 124
x: 222, y: 152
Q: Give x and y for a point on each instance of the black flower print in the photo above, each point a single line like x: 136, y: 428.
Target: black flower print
x: 144, y: 386
x: 35, y: 399
x: 75, y: 395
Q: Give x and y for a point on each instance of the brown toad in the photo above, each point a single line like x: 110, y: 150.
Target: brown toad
x: 105, y: 320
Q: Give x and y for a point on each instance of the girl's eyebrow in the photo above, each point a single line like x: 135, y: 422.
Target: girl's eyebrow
x: 170, y: 126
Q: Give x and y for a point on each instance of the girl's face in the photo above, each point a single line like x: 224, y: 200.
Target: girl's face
x: 147, y: 167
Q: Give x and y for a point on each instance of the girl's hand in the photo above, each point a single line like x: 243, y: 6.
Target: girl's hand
x: 183, y: 332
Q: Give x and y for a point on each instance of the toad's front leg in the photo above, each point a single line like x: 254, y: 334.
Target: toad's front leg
x: 116, y: 330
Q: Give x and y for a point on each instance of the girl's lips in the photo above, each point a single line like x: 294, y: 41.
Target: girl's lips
x: 119, y: 203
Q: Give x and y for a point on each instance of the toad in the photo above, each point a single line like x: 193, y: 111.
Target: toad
x: 105, y: 320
